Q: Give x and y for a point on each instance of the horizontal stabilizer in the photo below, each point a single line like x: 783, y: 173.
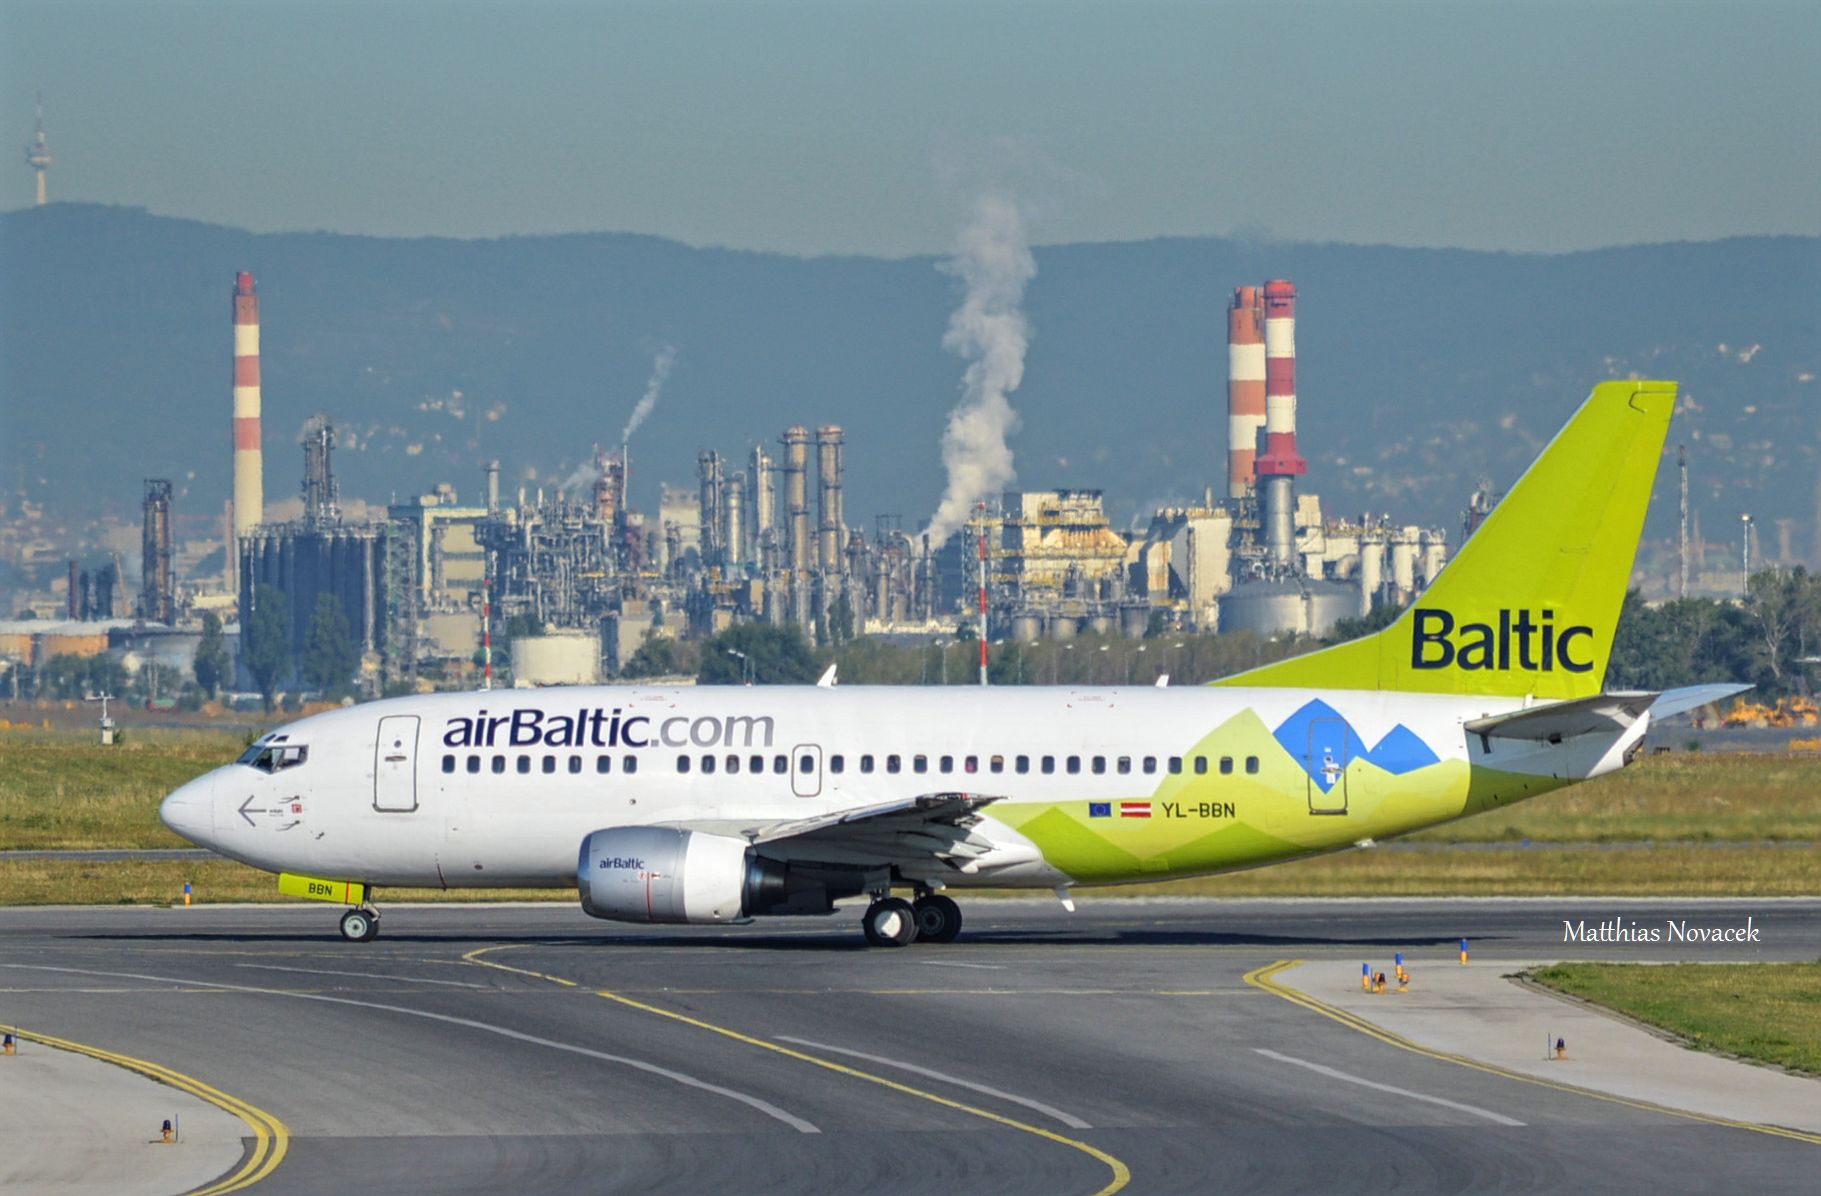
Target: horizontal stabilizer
x: 1601, y: 714
x: 1680, y: 701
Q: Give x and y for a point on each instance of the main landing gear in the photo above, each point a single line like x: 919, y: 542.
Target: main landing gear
x: 895, y: 922
x: 360, y: 925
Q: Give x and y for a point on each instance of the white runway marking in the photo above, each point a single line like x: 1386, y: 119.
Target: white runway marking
x: 1488, y: 1114
x: 763, y: 1106
x: 272, y: 967
x: 1067, y: 1119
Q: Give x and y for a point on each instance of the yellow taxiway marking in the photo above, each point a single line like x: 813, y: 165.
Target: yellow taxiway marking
x: 271, y: 1139
x: 1122, y: 1175
x: 1265, y: 978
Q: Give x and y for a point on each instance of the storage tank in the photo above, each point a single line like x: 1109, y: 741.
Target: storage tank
x: 1062, y: 627
x: 1293, y: 606
x: 1434, y: 554
x: 1027, y: 627
x: 1100, y: 624
x: 1135, y: 619
x: 1403, y: 560
x: 1371, y: 571
x: 558, y: 658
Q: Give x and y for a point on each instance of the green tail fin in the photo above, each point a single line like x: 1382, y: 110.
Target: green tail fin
x: 1530, y: 602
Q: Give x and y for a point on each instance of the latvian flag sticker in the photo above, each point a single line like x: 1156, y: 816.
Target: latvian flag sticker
x: 1134, y: 809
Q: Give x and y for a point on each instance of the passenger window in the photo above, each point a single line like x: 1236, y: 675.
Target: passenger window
x: 575, y: 764
x: 806, y: 764
x: 549, y: 763
x: 524, y: 764
x: 629, y: 764
x: 1150, y: 764
x: 836, y: 763
x: 707, y: 763
x: 997, y: 764
x: 682, y: 763
x: 866, y: 763
x: 971, y: 764
x: 1201, y: 765
x: 1022, y: 764
x: 1049, y: 765
x: 755, y: 764
x: 946, y: 764
x: 780, y: 764
x: 499, y: 764
x: 474, y: 763
x: 1226, y: 766
x: 1175, y: 765
x: 919, y: 763
x: 733, y: 763
x: 1100, y: 764
x: 448, y: 763
x: 892, y: 764
x: 1252, y: 764
x: 603, y: 763
x: 1074, y: 764
x: 1123, y: 764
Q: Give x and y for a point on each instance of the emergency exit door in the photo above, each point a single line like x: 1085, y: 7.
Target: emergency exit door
x: 395, y: 764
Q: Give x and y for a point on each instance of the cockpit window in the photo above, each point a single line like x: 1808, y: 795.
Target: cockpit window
x: 275, y: 757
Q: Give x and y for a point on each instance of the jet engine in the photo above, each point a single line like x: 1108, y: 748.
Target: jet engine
x: 661, y: 874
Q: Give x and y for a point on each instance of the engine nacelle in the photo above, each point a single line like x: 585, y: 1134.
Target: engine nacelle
x: 660, y: 874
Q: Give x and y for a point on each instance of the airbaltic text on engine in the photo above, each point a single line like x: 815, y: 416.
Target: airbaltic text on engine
x: 1437, y: 643
x: 596, y: 727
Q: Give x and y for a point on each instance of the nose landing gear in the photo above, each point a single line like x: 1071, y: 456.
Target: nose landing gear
x: 360, y: 925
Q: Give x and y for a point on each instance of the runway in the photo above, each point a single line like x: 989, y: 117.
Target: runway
x: 530, y: 1049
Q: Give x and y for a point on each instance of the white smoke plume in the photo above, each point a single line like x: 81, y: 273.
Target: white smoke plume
x: 660, y: 370
x: 993, y: 260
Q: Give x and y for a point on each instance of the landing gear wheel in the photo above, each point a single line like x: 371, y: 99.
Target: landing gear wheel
x: 938, y: 919
x: 360, y: 926
x: 890, y: 922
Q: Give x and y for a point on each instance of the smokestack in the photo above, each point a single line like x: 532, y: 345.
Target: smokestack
x: 829, y: 439
x: 72, y: 601
x: 736, y: 519
x: 1245, y: 387
x: 1281, y: 463
x: 493, y: 485
x: 796, y: 494
x: 249, y: 462
x: 157, y: 591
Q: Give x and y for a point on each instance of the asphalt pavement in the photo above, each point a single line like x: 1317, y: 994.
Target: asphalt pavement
x: 1127, y: 1046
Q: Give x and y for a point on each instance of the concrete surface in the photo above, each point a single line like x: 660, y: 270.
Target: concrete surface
x: 1042, y: 1052
x: 1479, y: 1012
x: 74, y: 1124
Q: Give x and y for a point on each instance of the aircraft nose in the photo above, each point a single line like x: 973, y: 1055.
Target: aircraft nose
x: 190, y: 811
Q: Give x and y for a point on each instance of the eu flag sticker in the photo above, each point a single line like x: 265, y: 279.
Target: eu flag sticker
x: 1100, y: 809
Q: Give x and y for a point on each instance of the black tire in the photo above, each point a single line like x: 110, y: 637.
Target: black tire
x: 360, y: 926
x: 938, y: 919
x: 890, y: 923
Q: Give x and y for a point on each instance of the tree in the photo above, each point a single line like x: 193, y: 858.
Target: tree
x: 211, y: 664
x: 656, y: 657
x: 329, y: 654
x: 777, y: 656
x: 265, y: 641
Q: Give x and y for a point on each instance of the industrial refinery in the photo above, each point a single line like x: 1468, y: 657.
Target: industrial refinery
x: 582, y: 578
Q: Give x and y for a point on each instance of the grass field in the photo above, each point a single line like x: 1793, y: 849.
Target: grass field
x: 1770, y: 1012
x: 1686, y: 823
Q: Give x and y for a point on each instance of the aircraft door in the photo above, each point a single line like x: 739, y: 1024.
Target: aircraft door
x: 1329, y: 751
x: 806, y: 770
x: 395, y: 764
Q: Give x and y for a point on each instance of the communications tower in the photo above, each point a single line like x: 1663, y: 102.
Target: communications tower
x: 38, y: 153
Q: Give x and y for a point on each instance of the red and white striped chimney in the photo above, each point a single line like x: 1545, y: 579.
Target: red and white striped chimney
x: 249, y: 460
x: 1245, y: 387
x: 1281, y: 463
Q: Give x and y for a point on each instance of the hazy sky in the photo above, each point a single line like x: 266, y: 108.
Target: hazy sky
x: 843, y: 126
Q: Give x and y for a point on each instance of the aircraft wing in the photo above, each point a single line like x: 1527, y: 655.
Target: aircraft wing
x: 1681, y: 701
x: 912, y: 830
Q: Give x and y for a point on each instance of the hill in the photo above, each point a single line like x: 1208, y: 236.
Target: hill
x: 1420, y: 371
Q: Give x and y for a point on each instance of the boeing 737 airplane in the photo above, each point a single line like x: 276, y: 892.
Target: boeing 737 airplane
x: 723, y: 804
